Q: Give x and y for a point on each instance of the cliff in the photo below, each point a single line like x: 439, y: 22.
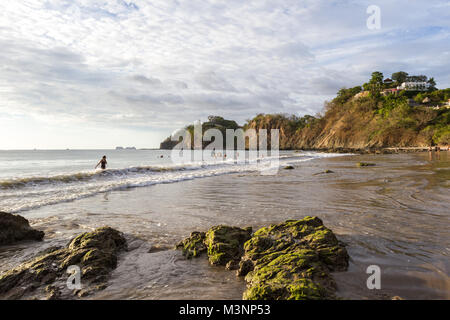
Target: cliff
x: 356, y: 121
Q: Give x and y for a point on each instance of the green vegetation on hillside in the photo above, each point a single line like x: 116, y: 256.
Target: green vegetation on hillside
x: 360, y: 117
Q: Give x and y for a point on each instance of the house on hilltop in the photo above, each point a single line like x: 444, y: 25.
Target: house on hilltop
x: 386, y: 92
x: 414, y: 86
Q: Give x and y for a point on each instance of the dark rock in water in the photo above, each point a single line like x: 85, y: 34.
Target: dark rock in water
x: 288, y: 168
x: 226, y: 243
x: 323, y: 172
x: 365, y: 164
x: 94, y: 252
x: 194, y: 245
x: 292, y: 260
x: 223, y: 244
x: 15, y: 228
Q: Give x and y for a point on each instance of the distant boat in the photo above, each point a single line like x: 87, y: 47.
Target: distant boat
x: 119, y: 148
x: 130, y: 148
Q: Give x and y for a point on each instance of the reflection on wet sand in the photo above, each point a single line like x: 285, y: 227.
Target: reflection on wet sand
x: 394, y: 215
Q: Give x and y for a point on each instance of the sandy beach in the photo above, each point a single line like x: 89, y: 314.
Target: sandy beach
x: 393, y: 214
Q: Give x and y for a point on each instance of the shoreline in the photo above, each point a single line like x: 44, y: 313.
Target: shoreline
x: 377, y: 150
x: 381, y: 213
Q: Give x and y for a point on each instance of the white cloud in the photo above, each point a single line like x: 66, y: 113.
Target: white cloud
x: 141, y: 65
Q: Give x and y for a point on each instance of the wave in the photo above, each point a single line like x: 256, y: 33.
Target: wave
x: 33, y: 192
x: 114, y: 173
x: 79, y: 176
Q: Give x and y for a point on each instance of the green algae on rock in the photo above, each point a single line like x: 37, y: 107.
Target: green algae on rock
x: 15, y: 228
x: 193, y: 246
x: 223, y: 245
x: 94, y: 252
x: 292, y: 260
x: 365, y: 164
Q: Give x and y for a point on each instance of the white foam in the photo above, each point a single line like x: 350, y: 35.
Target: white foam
x: 36, y: 192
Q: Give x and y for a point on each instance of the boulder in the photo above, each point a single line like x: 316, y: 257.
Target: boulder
x: 15, y: 228
x: 223, y: 245
x: 193, y: 246
x: 292, y: 260
x: 95, y: 253
x: 365, y: 164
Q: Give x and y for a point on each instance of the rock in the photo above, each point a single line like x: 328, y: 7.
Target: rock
x: 365, y: 164
x: 193, y: 246
x: 288, y: 167
x: 15, y: 228
x: 323, y: 172
x: 94, y: 252
x: 292, y: 260
x: 223, y: 245
x: 232, y: 265
x: 52, y: 293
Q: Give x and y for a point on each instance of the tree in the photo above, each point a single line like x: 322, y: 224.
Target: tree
x: 375, y: 84
x: 399, y: 77
x: 420, y: 78
x: 377, y: 78
x: 432, y: 84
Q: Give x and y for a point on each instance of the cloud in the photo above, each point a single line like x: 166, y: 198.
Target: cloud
x: 155, y: 66
x: 148, y: 81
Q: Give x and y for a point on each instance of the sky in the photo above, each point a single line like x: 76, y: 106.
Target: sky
x: 98, y: 74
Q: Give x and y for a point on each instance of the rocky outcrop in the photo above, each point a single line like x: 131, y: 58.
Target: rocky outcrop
x: 214, y: 122
x: 168, y: 144
x: 290, y: 260
x: 15, y: 228
x: 223, y: 244
x: 194, y: 245
x: 95, y: 253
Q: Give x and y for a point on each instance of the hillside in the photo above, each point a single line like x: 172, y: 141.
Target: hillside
x: 214, y: 122
x: 377, y: 116
x: 359, y: 123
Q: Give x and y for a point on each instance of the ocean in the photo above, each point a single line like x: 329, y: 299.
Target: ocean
x: 36, y: 178
x: 394, y: 215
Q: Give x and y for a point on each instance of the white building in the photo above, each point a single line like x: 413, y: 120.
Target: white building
x: 414, y: 86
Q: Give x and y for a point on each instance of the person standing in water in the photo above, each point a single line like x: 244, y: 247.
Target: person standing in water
x: 102, y: 162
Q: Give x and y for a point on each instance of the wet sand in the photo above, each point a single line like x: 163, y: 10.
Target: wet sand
x: 394, y: 215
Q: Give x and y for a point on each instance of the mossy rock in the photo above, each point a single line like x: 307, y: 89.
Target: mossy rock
x: 292, y: 260
x: 15, y: 228
x: 94, y: 252
x: 226, y: 243
x: 288, y: 167
x: 223, y: 245
x: 193, y: 246
x: 365, y: 164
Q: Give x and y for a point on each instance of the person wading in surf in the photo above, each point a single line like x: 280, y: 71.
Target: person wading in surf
x: 102, y: 162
